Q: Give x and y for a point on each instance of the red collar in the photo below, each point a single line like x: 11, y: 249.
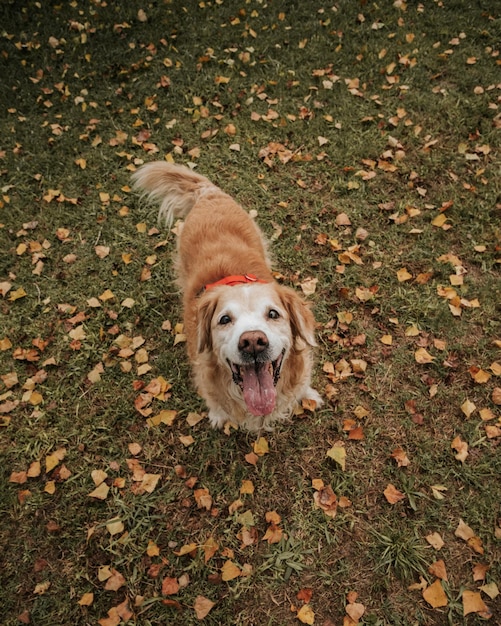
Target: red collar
x: 231, y: 281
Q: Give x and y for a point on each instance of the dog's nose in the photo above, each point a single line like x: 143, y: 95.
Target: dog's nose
x: 253, y: 342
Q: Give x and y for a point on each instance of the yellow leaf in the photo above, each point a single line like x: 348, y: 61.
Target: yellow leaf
x: 54, y: 459
x: 115, y: 526
x: 439, y: 220
x: 100, y: 493
x: 152, y: 549
x: 247, y: 487
x: 306, y: 615
x: 403, y: 275
x: 423, y: 357
x: 17, y: 294
x: 107, y: 295
x: 186, y: 549
x: 87, y: 599
x: 338, y: 454
x: 229, y: 571
x: 50, y: 487
x: 468, y: 407
x: 261, y: 446
x: 150, y: 482
x: 435, y: 595
x: 387, y: 340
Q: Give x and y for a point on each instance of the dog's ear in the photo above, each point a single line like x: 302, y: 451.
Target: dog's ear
x: 205, y: 312
x: 301, y: 318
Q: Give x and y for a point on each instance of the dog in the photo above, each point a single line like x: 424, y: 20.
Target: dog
x: 249, y: 339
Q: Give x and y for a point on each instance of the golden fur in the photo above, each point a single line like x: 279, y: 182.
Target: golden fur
x: 219, y: 239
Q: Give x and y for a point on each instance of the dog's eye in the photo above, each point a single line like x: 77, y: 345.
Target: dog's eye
x: 273, y: 315
x: 225, y: 319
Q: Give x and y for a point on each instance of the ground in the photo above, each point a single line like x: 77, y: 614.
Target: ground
x: 364, y: 137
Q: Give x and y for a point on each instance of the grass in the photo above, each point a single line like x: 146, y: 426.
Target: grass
x: 407, y: 97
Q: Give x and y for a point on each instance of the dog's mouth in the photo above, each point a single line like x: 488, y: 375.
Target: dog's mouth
x: 258, y: 381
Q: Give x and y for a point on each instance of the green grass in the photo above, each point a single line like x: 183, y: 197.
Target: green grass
x: 89, y: 91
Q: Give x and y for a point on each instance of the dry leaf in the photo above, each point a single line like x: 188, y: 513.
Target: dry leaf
x: 229, y: 571
x: 438, y: 570
x: 100, y: 493
x: 170, y: 586
x: 435, y: 595
x: 87, y: 599
x: 338, y: 454
x: 202, y: 606
x: 260, y: 446
x: 435, y: 540
x: 473, y: 603
x: 393, y: 495
x: 423, y: 357
x: 115, y: 581
x: 306, y: 615
x: 461, y: 448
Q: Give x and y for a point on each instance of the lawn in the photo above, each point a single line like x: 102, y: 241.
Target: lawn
x: 365, y: 138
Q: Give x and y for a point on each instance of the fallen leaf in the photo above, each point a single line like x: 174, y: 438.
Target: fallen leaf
x: 461, y: 448
x: 393, y: 495
x: 306, y: 615
x: 170, y: 586
x: 260, y: 446
x: 400, y: 457
x: 435, y: 595
x: 438, y: 570
x: 87, y: 599
x: 203, y: 606
x: 230, y: 570
x: 473, y: 603
x: 326, y: 499
x: 338, y: 454
x: 100, y: 493
x: 423, y: 357
x: 115, y: 581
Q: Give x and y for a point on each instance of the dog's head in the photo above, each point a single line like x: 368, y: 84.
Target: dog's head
x: 252, y: 329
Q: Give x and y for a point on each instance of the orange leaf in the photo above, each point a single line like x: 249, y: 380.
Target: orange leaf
x: 438, y: 570
x: 473, y: 603
x: 435, y: 595
x: 393, y: 495
x: 170, y: 586
x: 115, y: 581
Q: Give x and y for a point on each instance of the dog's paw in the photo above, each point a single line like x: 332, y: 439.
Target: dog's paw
x: 217, y: 419
x: 312, y: 394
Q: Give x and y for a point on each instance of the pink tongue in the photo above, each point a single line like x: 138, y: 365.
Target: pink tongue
x: 259, y: 391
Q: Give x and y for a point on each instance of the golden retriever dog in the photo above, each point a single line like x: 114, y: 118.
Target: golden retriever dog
x: 249, y: 339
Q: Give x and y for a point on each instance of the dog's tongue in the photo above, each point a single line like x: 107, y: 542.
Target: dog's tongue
x: 258, y: 389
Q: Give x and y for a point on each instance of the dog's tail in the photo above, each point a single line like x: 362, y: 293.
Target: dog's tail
x: 175, y: 188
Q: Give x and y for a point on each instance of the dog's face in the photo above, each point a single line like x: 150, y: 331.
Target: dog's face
x: 252, y: 329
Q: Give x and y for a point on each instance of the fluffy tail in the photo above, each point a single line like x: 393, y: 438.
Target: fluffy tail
x: 174, y: 187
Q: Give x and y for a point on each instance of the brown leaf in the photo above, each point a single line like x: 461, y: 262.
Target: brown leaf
x: 326, y: 499
x: 438, y: 570
x: 202, y: 606
x: 115, y: 581
x: 393, y: 495
x: 170, y: 586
